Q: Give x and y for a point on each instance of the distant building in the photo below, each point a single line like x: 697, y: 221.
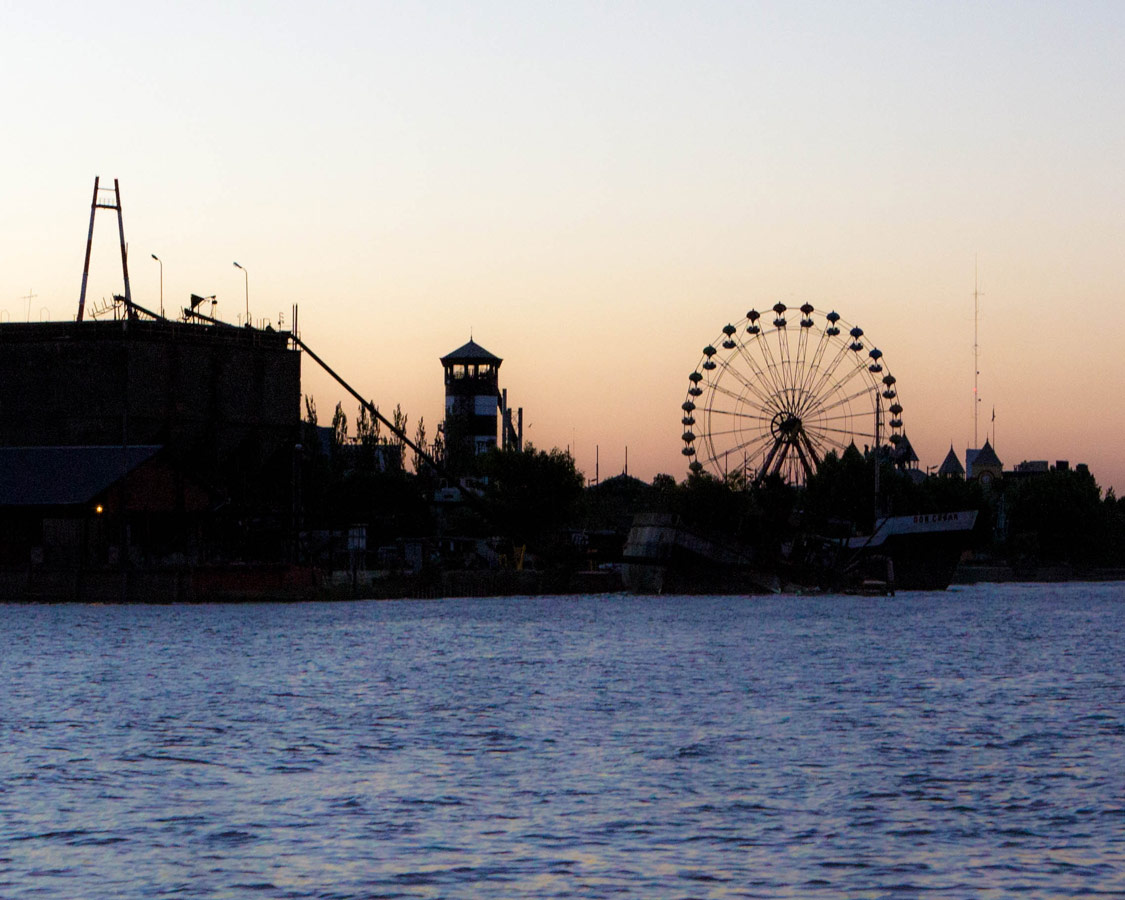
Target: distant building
x: 217, y: 408
x: 62, y: 506
x: 983, y: 465
x: 1037, y: 467
x: 223, y: 401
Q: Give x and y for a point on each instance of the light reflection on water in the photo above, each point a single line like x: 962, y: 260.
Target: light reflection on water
x: 963, y: 744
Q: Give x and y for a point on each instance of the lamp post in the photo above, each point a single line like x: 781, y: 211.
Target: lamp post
x: 157, y: 258
x: 247, y: 279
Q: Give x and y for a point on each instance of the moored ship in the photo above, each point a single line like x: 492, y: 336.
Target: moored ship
x: 915, y: 552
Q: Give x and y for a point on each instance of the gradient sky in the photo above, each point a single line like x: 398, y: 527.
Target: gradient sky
x: 592, y: 190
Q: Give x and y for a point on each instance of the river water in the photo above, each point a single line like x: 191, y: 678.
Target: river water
x: 961, y: 744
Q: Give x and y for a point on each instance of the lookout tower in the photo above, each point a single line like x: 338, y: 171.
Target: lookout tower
x: 472, y: 400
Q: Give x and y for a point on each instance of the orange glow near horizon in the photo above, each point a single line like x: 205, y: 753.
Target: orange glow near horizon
x: 594, y: 192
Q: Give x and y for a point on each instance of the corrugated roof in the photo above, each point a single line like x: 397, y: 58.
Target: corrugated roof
x: 64, y: 476
x: 471, y: 352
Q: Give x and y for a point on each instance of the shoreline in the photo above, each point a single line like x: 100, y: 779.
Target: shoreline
x: 290, y: 584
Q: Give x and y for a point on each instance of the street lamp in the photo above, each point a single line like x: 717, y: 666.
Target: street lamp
x: 247, y: 278
x: 157, y: 258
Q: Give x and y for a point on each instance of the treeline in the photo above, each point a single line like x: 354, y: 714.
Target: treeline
x: 1057, y: 517
x: 1061, y: 516
x: 538, y: 499
x: 529, y: 497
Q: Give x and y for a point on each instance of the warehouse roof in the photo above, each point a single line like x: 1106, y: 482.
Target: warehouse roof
x: 64, y: 476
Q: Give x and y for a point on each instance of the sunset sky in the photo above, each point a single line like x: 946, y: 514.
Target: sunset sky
x: 592, y: 190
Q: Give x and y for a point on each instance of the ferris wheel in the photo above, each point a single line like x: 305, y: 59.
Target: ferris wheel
x: 775, y: 396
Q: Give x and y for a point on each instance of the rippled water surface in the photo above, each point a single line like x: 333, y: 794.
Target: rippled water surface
x: 964, y: 744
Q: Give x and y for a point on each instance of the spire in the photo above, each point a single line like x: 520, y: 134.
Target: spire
x: 987, y: 457
x: 904, y: 453
x: 951, y: 465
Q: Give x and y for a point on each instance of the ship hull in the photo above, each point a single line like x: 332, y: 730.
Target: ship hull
x: 663, y: 557
x: 910, y: 553
x: 923, y: 550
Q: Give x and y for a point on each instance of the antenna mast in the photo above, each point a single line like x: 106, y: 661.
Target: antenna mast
x: 976, y: 354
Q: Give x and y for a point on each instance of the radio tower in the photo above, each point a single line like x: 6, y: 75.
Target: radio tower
x: 976, y: 354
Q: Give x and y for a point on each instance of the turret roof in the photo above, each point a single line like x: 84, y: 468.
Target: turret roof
x: 951, y: 465
x: 470, y: 352
x: 986, y: 456
x: 904, y: 453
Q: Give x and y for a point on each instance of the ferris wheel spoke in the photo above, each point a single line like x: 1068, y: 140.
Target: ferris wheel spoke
x: 812, y: 370
x: 800, y: 369
x: 839, y: 385
x: 746, y: 458
x: 840, y: 415
x: 742, y: 378
x: 845, y: 432
x: 825, y: 449
x: 722, y: 415
x: 828, y: 371
x: 854, y: 432
x: 808, y: 404
x: 754, y: 460
x: 837, y: 389
x: 738, y: 432
x: 842, y: 424
x: 842, y: 400
x: 838, y: 442
x: 744, y: 417
x: 752, y: 449
x: 771, y: 364
x: 744, y: 440
x: 764, y: 401
x: 860, y: 368
x: 764, y: 398
x: 797, y: 378
x: 771, y: 370
x: 784, y: 356
x: 748, y: 357
x: 792, y: 381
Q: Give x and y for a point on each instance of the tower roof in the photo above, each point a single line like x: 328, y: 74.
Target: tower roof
x: 904, y: 453
x: 986, y: 456
x: 951, y: 465
x: 469, y: 353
